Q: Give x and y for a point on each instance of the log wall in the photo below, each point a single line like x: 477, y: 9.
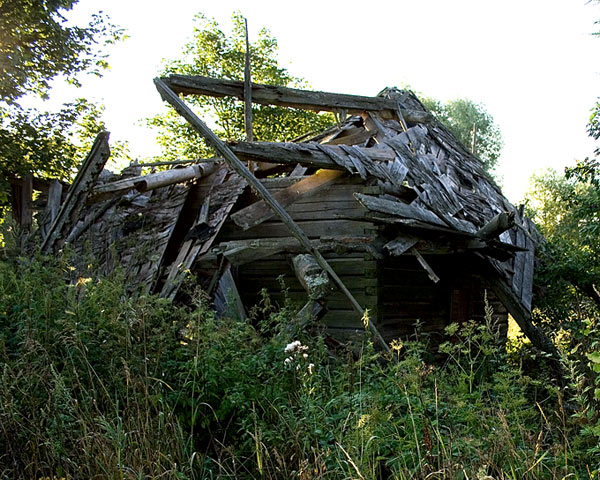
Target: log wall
x: 408, y: 297
x: 331, y: 212
x: 397, y: 291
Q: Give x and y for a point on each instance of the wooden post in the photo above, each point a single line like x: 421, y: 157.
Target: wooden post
x: 52, y: 206
x: 237, y: 165
x: 26, y: 198
x: 247, y: 91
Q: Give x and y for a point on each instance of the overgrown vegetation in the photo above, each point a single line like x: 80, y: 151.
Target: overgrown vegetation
x: 96, y: 383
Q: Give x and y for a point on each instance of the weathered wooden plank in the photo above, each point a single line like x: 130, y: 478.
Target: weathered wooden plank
x: 519, y: 264
x: 240, y: 252
x: 259, y: 212
x: 227, y: 297
x: 400, y: 244
x: 289, y: 97
x: 528, y: 266
x: 222, y: 198
x: 298, y: 171
x: 86, y: 177
x: 434, y: 278
x: 240, y: 168
x: 358, y: 137
x: 523, y: 319
x: 398, y: 209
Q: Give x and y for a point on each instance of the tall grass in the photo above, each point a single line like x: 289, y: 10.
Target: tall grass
x: 99, y: 383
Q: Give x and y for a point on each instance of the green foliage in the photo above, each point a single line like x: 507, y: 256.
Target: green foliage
x: 473, y: 126
x: 97, y: 383
x: 37, y: 45
x: 48, y: 144
x: 212, y: 53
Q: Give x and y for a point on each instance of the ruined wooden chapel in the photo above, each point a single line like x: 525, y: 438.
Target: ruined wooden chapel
x: 386, y: 211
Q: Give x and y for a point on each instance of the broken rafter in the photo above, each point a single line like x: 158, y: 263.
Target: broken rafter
x: 259, y: 212
x: 497, y: 225
x: 290, y: 97
x: 235, y: 163
x: 68, y: 214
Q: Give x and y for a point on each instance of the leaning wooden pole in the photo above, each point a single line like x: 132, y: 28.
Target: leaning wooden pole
x: 236, y: 164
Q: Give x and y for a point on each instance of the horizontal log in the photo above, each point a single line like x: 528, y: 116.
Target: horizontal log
x: 143, y: 183
x: 342, y: 266
x: 304, y: 153
x: 312, y: 228
x: 290, y: 97
x: 176, y: 175
x: 258, y: 281
x: 167, y: 163
x: 497, y: 225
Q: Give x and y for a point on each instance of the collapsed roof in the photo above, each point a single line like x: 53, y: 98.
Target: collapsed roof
x: 428, y: 185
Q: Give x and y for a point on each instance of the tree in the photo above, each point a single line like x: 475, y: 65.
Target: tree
x: 473, y: 126
x: 212, y: 53
x: 37, y: 46
x: 565, y: 208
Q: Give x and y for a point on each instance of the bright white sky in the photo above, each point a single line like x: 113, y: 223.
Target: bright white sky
x: 533, y: 63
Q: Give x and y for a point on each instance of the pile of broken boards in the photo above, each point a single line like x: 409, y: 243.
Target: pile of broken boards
x: 402, y: 212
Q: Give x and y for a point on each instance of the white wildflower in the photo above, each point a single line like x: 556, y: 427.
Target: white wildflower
x: 290, y: 347
x: 288, y: 360
x: 305, y: 355
x: 311, y: 368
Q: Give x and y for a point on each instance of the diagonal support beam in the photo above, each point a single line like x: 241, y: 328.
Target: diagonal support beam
x: 236, y: 164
